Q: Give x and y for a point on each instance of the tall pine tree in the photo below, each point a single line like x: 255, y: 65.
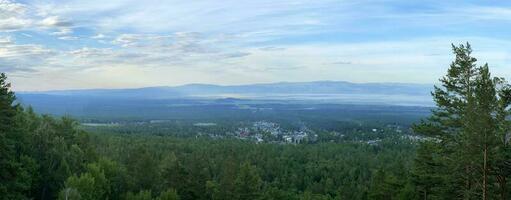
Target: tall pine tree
x: 15, y: 174
x: 467, y: 130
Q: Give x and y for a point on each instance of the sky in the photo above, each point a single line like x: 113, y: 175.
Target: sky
x: 76, y: 44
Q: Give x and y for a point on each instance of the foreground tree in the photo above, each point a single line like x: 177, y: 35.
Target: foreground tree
x: 37, y: 153
x: 8, y: 108
x: 468, y: 130
x: 16, y: 168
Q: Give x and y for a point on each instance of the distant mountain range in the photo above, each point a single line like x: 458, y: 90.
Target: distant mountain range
x: 188, y: 100
x: 269, y: 90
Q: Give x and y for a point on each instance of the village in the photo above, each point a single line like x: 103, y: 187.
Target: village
x: 263, y: 131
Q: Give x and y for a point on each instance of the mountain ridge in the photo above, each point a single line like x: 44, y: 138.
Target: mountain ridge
x: 313, y: 87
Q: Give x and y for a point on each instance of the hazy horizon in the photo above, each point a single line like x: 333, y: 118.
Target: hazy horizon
x: 227, y: 85
x: 55, y: 45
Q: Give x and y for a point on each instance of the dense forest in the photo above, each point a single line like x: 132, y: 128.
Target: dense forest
x: 464, y: 154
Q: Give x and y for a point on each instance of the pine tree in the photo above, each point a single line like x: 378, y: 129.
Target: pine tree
x: 425, y: 173
x: 502, y: 162
x: 7, y: 105
x: 15, y: 168
x: 467, y: 128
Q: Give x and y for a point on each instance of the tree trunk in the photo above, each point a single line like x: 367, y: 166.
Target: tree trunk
x: 485, y: 172
x: 502, y: 185
x: 467, y: 183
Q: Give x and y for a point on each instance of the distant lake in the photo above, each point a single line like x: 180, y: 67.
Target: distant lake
x: 392, y: 99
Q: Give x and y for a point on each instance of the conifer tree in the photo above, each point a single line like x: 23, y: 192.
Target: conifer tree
x: 15, y: 174
x: 467, y: 129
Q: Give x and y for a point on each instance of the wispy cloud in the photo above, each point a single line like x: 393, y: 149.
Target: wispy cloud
x: 68, y: 43
x: 17, y: 16
x: 22, y: 58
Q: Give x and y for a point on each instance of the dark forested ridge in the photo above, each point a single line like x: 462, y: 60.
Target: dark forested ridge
x: 461, y: 151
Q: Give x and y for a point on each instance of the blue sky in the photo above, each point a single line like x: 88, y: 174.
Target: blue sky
x: 75, y: 44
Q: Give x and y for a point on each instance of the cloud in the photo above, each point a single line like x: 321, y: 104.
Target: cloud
x: 342, y: 63
x: 23, y: 51
x: 22, y: 57
x: 99, y: 36
x: 68, y: 38
x: 5, y: 40
x: 244, y: 41
x: 282, y: 68
x: 12, y: 16
x: 55, y: 21
x: 89, y: 52
x: 236, y: 54
x: 13, y: 68
x: 271, y: 48
x: 17, y: 16
x: 187, y: 44
x: 483, y: 13
x: 63, y: 32
x: 12, y: 24
x: 128, y: 40
x: 10, y: 9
